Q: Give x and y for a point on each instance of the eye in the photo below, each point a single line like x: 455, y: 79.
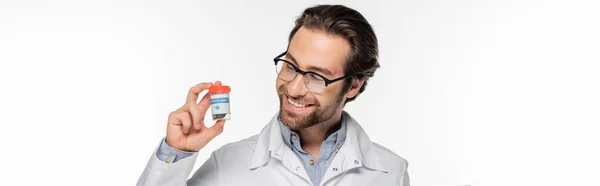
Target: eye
x: 315, y: 78
x: 290, y: 68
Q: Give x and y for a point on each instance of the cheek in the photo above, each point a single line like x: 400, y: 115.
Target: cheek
x: 326, y: 98
x: 333, y: 90
x: 278, y: 84
x: 281, y: 86
x: 331, y: 95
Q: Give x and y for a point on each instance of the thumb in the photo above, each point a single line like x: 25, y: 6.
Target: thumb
x: 215, y: 130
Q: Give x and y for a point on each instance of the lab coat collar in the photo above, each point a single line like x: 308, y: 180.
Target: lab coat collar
x: 357, y: 149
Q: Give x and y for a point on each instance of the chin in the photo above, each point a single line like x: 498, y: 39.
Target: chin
x: 293, y: 120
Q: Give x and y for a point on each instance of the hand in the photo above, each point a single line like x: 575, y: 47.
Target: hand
x: 185, y: 128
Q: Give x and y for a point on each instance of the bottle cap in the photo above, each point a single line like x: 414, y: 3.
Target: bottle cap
x: 219, y: 89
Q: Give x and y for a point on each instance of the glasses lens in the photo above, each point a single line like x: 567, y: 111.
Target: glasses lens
x: 314, y: 83
x: 285, y: 71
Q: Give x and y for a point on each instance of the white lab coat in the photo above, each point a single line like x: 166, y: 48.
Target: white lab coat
x: 265, y: 160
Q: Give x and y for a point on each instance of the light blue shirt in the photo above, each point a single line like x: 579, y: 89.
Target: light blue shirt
x: 316, y: 170
x: 329, y: 148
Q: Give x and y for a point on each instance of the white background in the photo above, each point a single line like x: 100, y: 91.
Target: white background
x: 469, y: 92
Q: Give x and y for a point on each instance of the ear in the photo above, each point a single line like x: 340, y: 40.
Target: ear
x: 354, y: 88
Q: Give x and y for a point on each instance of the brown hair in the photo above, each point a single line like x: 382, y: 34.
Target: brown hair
x: 349, y: 24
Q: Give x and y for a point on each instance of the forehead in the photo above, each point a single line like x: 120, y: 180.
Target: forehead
x: 319, y: 49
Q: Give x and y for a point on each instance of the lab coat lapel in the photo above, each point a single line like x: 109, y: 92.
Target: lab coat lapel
x: 270, y: 145
x: 357, y: 151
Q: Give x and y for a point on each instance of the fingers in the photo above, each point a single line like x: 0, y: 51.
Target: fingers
x: 197, y: 115
x: 192, y: 114
x: 204, y: 104
x: 195, y: 90
x: 184, y: 119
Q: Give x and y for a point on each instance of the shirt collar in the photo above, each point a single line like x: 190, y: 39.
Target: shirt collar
x: 357, y: 145
x: 286, y: 133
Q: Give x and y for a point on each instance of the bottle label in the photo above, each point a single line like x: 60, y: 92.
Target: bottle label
x: 219, y: 103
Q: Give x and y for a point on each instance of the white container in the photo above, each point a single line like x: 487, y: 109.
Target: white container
x: 219, y: 102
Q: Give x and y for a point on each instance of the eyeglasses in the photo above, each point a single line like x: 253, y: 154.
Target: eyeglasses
x: 314, y: 82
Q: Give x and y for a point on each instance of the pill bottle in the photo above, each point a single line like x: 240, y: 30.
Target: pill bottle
x: 219, y: 102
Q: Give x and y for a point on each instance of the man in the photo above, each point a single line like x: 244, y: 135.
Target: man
x: 331, y: 54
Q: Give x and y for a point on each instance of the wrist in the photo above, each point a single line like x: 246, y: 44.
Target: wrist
x: 179, y: 149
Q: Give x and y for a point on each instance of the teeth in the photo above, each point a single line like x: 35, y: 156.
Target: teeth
x: 295, y: 104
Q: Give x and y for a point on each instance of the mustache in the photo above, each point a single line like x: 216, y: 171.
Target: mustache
x: 302, y: 99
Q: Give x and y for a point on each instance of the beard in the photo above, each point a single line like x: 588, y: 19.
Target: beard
x: 320, y: 112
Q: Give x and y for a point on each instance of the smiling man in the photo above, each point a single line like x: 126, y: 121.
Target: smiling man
x: 332, y: 53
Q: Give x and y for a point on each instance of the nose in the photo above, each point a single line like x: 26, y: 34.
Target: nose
x: 296, y: 87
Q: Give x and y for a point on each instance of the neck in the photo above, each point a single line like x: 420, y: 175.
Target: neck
x: 312, y: 137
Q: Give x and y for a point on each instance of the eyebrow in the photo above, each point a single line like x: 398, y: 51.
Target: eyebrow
x: 310, y: 68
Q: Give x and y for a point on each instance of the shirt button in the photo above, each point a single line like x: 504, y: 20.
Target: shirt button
x: 168, y: 160
x: 356, y: 162
x: 334, y: 169
x: 294, y: 136
x: 337, y: 146
x: 311, y: 162
x: 297, y: 168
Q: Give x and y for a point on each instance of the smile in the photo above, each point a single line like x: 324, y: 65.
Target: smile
x: 296, y: 104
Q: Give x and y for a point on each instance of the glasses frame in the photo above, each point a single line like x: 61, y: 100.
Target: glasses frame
x: 299, y: 71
